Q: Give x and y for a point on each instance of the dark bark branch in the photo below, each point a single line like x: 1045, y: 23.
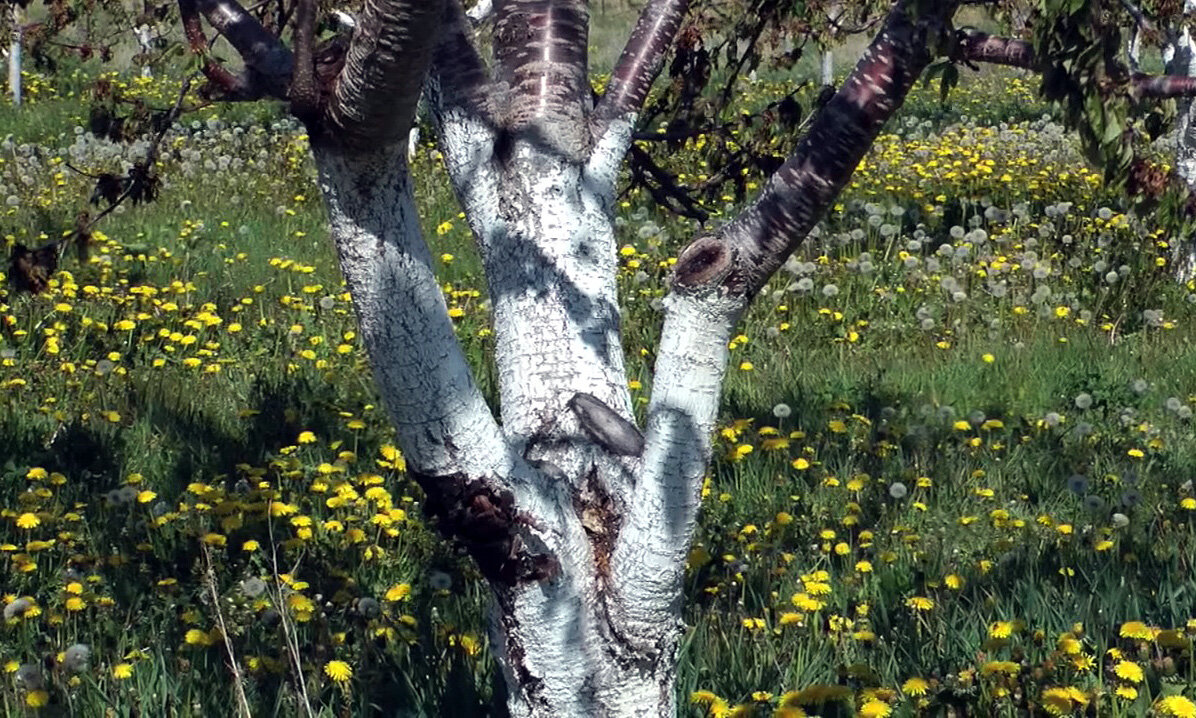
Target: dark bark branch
x: 982, y: 47
x: 757, y: 242
x: 375, y: 94
x: 642, y: 58
x: 193, y: 27
x: 1162, y: 87
x: 457, y: 71
x: 304, y: 95
x: 665, y: 192
x: 222, y: 83
x: 540, y: 47
x: 264, y: 54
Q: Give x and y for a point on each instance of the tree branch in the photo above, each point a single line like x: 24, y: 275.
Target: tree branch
x: 975, y: 46
x: 304, y: 94
x: 642, y: 58
x: 264, y: 54
x: 713, y: 281
x: 540, y: 47
x: 375, y: 95
x: 457, y: 93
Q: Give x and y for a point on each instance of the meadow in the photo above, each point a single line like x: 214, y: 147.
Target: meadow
x: 953, y: 474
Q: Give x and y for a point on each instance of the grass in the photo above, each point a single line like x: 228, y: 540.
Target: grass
x: 947, y: 478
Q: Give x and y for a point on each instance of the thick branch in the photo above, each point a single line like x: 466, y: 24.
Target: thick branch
x: 540, y: 50
x: 375, y: 97
x: 642, y: 58
x: 229, y: 86
x: 982, y: 47
x: 459, y: 99
x: 443, y: 424
x: 713, y: 281
x: 839, y: 137
x: 263, y: 53
x: 304, y: 94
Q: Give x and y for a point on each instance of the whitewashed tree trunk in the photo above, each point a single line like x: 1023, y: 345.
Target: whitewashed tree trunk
x: 1180, y: 59
x: 14, y: 56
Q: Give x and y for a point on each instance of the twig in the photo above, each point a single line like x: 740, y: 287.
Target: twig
x: 288, y: 633
x: 151, y: 154
x: 238, y: 680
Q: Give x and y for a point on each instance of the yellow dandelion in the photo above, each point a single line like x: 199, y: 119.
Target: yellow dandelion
x: 398, y: 592
x: 920, y: 603
x: 1177, y: 706
x: 338, y: 671
x: 28, y: 521
x: 1057, y: 701
x: 1136, y: 629
x: 1128, y: 671
x: 122, y: 671
x: 915, y: 686
x: 875, y: 709
x: 37, y: 699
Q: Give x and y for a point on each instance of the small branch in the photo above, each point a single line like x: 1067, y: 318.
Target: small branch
x: 666, y: 192
x: 137, y: 179
x: 642, y: 58
x: 238, y: 680
x: 1142, y: 22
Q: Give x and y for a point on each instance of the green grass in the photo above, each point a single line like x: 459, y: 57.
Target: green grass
x: 909, y: 468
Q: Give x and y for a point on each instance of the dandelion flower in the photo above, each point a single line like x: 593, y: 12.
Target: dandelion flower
x: 398, y: 592
x: 1136, y: 629
x: 1128, y: 671
x: 28, y: 521
x: 915, y: 686
x: 920, y: 603
x: 875, y: 709
x: 1177, y: 706
x: 122, y: 671
x: 338, y: 671
x: 37, y: 699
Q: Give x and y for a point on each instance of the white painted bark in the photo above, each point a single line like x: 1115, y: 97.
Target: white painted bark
x: 559, y: 652
x: 14, y: 57
x: 145, y: 38
x: 417, y: 361
x: 649, y: 559
x: 1180, y: 59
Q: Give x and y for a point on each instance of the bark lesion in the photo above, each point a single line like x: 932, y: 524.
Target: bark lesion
x: 483, y: 518
x: 600, y: 518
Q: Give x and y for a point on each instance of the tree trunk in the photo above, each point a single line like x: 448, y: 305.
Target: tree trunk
x: 551, y: 262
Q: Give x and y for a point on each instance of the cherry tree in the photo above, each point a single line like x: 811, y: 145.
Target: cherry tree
x: 579, y: 518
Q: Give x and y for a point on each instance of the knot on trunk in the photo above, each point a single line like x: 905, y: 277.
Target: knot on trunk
x: 605, y: 426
